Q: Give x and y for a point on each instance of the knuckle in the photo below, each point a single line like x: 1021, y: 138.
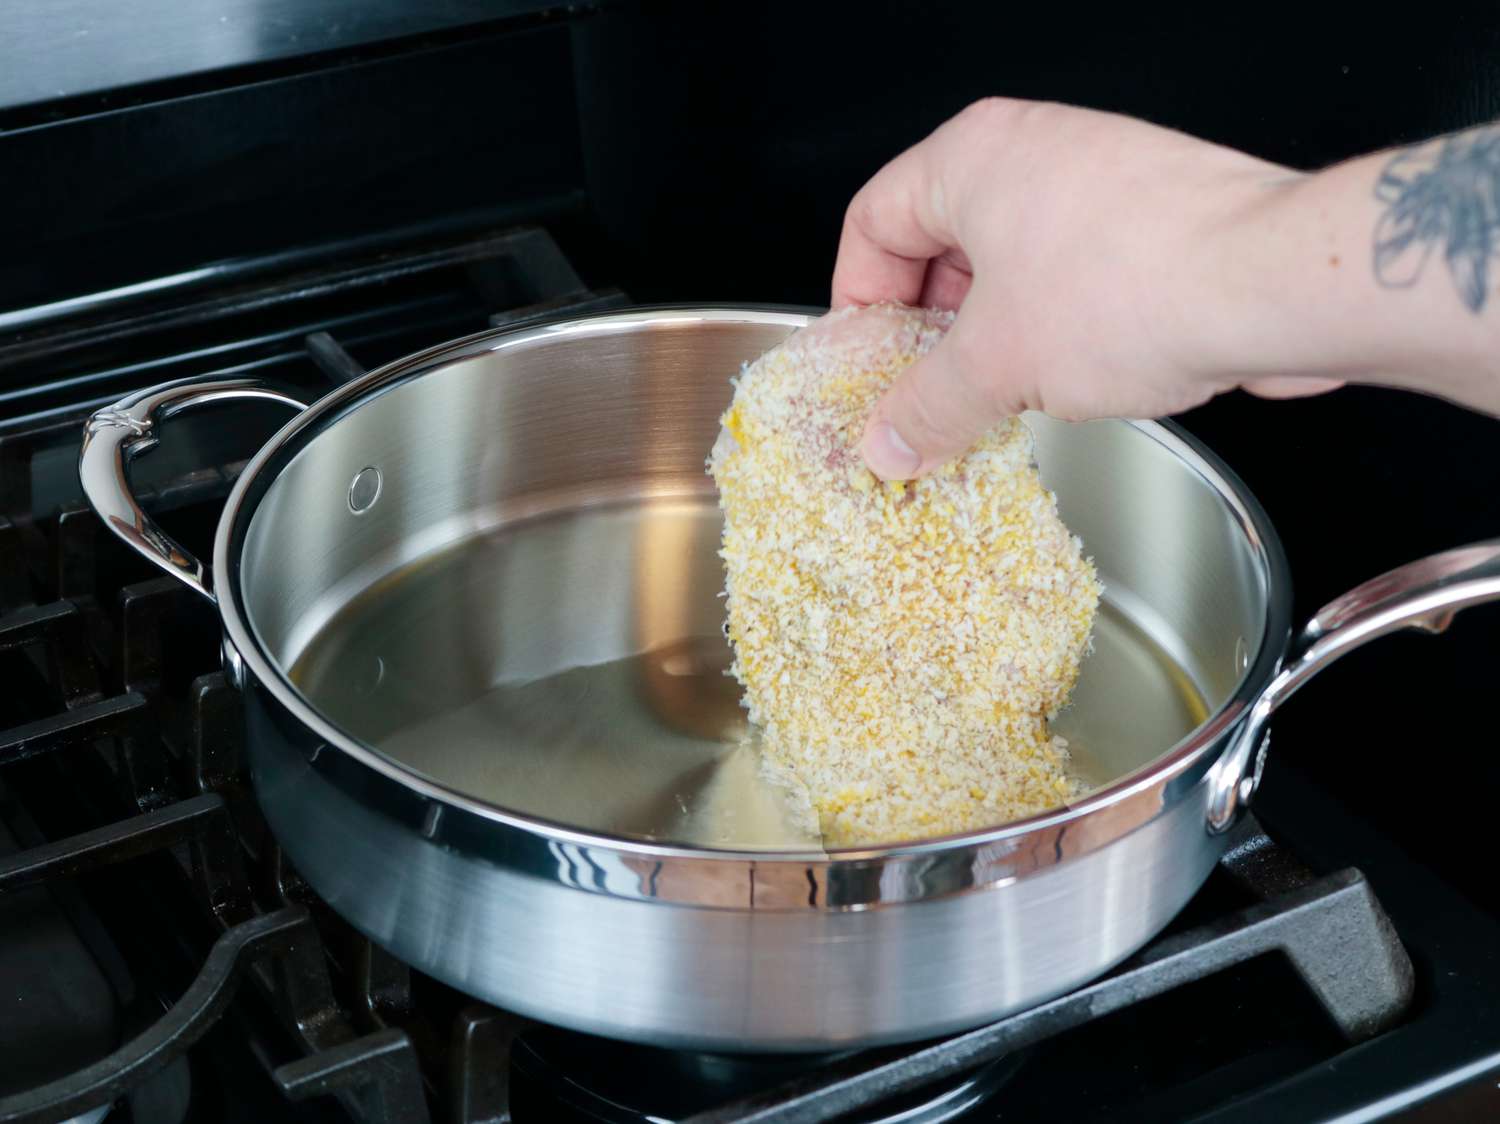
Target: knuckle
x: 862, y: 213
x: 993, y: 119
x: 988, y: 110
x: 991, y: 115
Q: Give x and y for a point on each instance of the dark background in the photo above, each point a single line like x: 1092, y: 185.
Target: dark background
x: 706, y: 152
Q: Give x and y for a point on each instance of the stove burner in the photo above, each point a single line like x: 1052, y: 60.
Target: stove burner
x: 560, y: 1075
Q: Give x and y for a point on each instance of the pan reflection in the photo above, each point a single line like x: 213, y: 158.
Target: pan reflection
x: 570, y: 668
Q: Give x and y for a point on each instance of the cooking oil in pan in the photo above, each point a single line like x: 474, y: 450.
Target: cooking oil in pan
x: 572, y: 668
x: 1132, y: 702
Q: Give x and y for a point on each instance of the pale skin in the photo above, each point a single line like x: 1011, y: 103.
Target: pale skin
x: 1105, y: 267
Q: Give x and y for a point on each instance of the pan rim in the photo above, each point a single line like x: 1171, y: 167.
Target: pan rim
x: 1145, y: 792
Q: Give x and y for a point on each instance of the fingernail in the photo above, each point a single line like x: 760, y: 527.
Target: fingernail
x: 888, y: 454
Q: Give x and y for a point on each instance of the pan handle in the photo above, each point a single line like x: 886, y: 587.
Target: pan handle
x: 1422, y: 595
x: 115, y: 435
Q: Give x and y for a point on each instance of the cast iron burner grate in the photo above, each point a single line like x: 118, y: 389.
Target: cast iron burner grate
x: 139, y: 889
x: 204, y: 980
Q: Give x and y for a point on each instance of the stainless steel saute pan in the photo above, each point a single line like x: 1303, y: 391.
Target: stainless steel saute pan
x: 470, y: 599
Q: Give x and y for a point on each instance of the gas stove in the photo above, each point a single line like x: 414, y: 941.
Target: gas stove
x: 303, y: 191
x: 161, y: 960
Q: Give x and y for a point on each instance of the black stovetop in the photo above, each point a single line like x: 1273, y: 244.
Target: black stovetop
x: 141, y: 896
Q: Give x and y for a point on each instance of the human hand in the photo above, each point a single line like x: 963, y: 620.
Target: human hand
x: 1092, y: 259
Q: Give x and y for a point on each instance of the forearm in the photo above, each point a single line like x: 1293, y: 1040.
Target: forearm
x: 1381, y: 270
x: 1105, y: 267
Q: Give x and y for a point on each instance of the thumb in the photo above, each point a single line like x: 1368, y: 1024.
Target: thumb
x: 935, y: 410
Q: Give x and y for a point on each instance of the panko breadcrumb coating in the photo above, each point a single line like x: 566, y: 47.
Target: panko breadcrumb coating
x: 902, y: 647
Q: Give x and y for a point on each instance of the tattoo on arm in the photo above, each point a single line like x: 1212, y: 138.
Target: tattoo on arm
x: 1442, y: 196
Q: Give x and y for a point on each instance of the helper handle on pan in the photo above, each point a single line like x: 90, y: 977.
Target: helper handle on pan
x: 1422, y: 595
x: 117, y: 434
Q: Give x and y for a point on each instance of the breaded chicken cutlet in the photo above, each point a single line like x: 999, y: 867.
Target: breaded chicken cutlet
x: 902, y: 647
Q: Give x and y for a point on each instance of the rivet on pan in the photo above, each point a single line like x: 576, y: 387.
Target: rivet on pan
x: 1241, y: 654
x: 431, y: 820
x: 364, y: 490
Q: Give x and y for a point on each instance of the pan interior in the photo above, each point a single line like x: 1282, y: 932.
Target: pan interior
x: 501, y: 573
x: 571, y: 667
